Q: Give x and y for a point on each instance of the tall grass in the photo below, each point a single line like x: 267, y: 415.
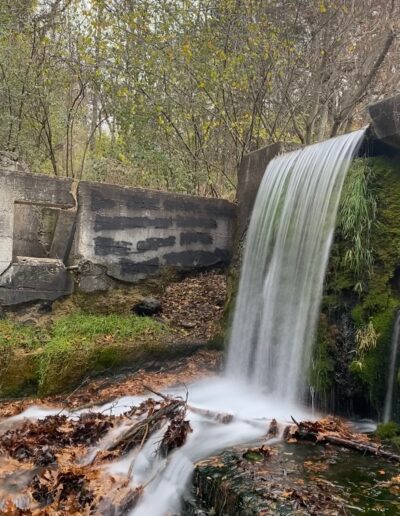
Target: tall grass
x: 357, y: 216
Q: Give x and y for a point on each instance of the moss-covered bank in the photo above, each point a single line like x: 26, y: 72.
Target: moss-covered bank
x: 362, y: 292
x: 51, y: 349
x: 57, y: 357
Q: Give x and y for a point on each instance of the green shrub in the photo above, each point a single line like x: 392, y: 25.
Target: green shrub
x: 388, y: 430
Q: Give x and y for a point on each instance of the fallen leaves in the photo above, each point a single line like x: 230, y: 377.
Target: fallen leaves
x: 101, y: 390
x: 195, y: 305
x: 38, y: 459
x: 176, y: 434
x: 315, y: 466
x: 39, y: 441
x: 56, y: 480
x: 393, y: 485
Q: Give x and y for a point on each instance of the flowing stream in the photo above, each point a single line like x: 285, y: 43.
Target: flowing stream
x: 286, y: 254
x: 387, y: 412
x: 285, y: 259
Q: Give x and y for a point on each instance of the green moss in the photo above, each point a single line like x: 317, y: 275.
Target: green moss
x: 364, y: 258
x: 25, y: 336
x: 84, y: 343
x: 20, y: 347
x: 253, y: 456
x: 396, y: 441
x: 18, y: 373
x: 388, y: 430
x: 58, y: 358
x: 88, y: 326
x: 322, y: 367
x: 375, y: 370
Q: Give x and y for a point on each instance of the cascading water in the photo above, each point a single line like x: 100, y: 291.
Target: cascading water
x: 387, y: 411
x: 280, y: 289
x: 286, y: 254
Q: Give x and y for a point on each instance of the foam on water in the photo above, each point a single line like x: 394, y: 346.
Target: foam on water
x: 167, y: 479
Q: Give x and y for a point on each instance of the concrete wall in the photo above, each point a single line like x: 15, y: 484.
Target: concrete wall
x: 28, y: 189
x: 385, y: 116
x: 251, y: 172
x: 135, y: 232
x: 108, y: 233
x: 104, y: 233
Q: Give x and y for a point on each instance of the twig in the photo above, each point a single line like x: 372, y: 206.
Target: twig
x: 163, y: 396
x: 295, y: 422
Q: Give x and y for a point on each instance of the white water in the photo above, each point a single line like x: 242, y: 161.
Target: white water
x: 166, y: 480
x: 280, y: 290
x: 387, y: 412
x: 286, y: 255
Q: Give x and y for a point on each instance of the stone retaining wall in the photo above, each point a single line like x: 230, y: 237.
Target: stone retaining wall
x: 51, y: 228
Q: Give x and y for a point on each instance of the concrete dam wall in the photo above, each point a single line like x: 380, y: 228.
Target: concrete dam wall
x: 56, y: 234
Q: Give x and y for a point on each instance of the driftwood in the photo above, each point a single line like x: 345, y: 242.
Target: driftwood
x: 304, y: 431
x: 141, y: 430
x: 221, y: 417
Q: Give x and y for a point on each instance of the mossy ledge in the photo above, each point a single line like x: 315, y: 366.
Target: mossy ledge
x: 47, y: 350
x: 361, y: 293
x: 60, y: 355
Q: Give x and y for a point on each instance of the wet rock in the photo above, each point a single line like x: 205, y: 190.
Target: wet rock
x: 187, y: 324
x: 148, y: 306
x: 45, y: 308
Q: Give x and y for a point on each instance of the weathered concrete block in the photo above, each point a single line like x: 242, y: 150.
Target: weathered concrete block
x: 63, y: 235
x: 32, y: 279
x: 123, y: 234
x: 385, y: 117
x: 251, y: 172
x: 34, y: 227
x: 93, y: 278
x: 28, y: 189
x: 135, y: 232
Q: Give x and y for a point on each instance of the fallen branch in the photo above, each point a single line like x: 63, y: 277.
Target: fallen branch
x: 140, y: 431
x: 364, y: 448
x: 329, y: 432
x: 221, y: 417
x: 176, y: 434
x: 159, y: 394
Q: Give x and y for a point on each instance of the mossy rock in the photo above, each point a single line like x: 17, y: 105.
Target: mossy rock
x: 322, y: 367
x: 361, y: 290
x: 19, y: 373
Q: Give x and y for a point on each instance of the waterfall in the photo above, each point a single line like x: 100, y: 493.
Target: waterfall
x: 387, y: 412
x: 286, y: 254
